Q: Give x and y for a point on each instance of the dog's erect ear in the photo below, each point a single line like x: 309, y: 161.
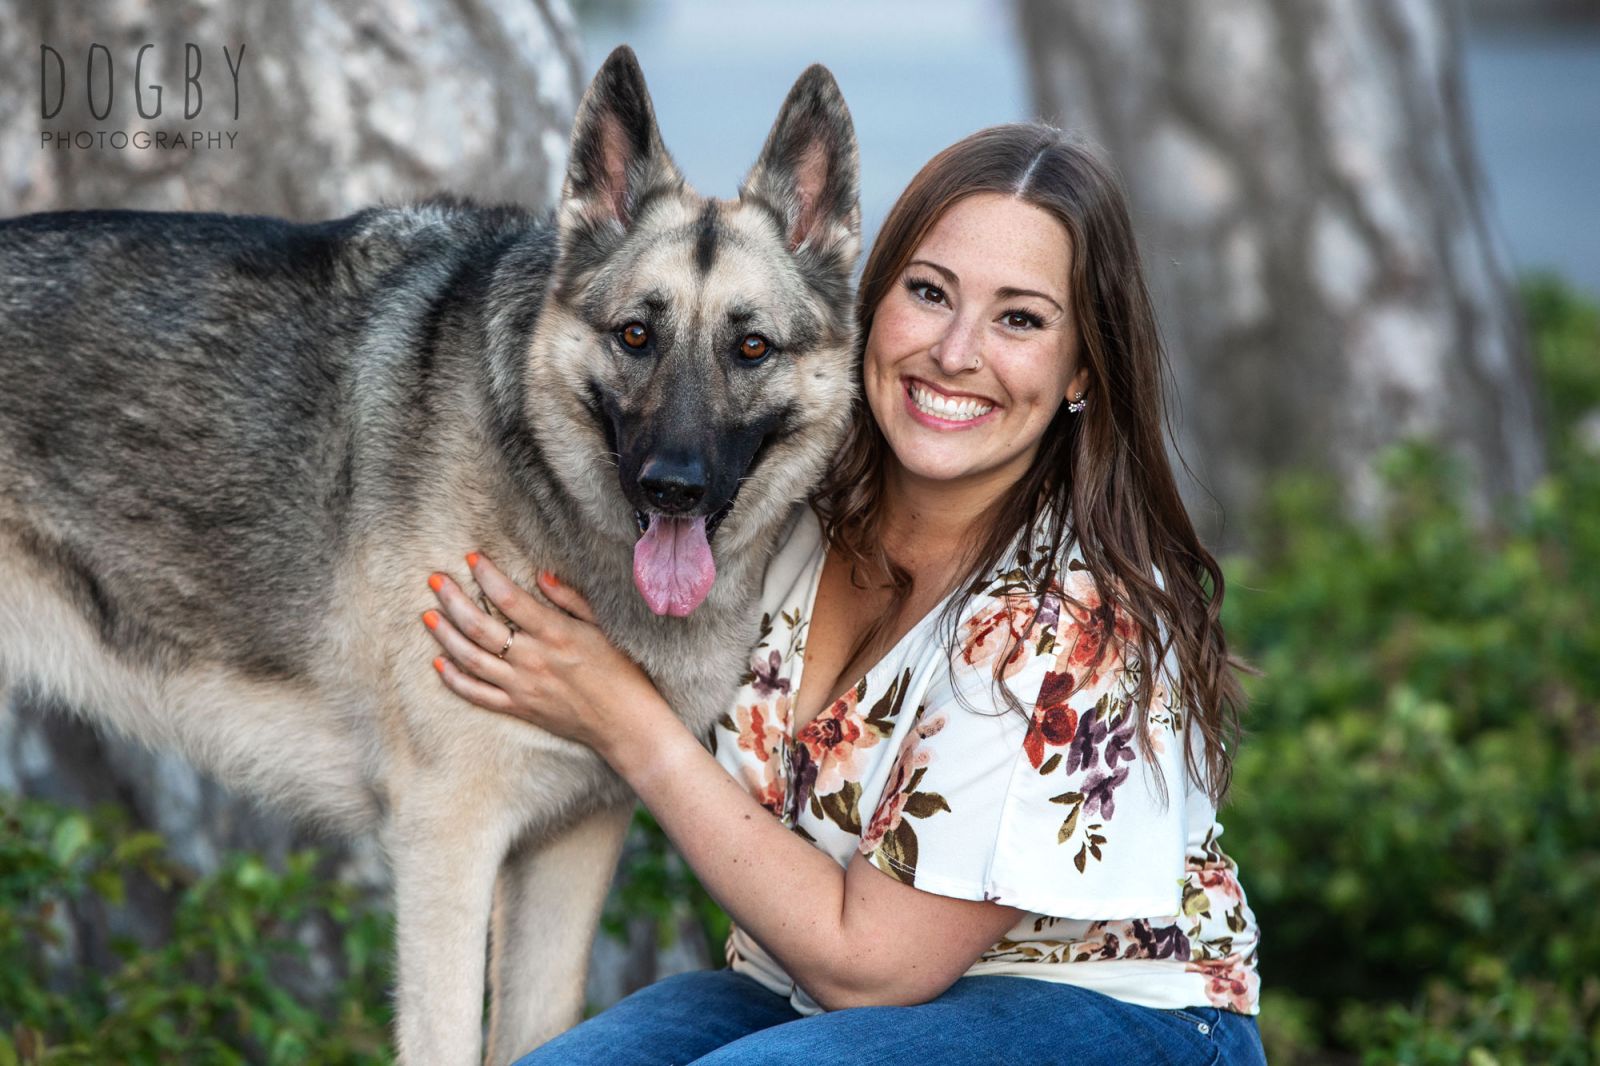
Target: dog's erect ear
x: 616, y: 152
x: 808, y: 168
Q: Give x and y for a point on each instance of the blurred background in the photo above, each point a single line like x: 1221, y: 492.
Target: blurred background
x: 1373, y: 237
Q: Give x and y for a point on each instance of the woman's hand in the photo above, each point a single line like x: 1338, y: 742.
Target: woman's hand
x: 558, y: 672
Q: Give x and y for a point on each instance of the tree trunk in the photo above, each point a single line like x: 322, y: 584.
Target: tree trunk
x: 1312, y: 218
x: 340, y: 105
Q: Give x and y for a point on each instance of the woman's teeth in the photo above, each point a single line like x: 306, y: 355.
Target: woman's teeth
x: 951, y: 410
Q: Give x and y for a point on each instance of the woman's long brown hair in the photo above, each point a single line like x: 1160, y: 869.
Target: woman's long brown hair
x: 1101, y: 478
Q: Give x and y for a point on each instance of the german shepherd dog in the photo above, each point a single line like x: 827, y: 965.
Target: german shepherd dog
x: 233, y: 448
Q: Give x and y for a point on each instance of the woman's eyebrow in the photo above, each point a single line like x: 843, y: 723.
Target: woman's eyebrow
x: 1007, y: 293
x: 949, y: 275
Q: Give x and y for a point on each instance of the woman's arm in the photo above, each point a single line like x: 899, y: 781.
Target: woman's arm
x: 852, y: 937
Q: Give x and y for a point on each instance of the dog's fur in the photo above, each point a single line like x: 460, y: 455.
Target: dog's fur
x: 232, y: 449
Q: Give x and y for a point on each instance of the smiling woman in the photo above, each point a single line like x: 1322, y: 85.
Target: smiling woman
x: 973, y: 766
x: 966, y: 369
x: 1092, y: 472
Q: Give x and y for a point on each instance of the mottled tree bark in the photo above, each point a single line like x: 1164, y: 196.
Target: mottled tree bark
x: 1311, y: 214
x: 340, y: 105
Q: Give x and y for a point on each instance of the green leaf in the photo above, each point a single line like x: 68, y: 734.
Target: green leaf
x: 252, y: 874
x: 240, y: 924
x: 108, y: 885
x: 138, y: 847
x: 72, y: 835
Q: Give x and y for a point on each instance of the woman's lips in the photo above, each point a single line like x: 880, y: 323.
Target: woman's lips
x: 933, y: 421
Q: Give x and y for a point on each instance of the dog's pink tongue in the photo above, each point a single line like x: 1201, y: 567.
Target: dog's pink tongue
x: 672, y: 565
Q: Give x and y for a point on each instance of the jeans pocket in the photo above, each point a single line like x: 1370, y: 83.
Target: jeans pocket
x: 1203, y: 1019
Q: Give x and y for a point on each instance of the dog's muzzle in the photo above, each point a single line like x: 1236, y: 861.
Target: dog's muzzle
x: 672, y: 564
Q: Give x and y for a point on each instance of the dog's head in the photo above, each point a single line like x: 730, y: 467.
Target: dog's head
x: 695, y: 355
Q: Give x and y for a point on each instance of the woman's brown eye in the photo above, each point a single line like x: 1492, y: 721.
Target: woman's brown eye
x: 635, y: 335
x: 754, y: 347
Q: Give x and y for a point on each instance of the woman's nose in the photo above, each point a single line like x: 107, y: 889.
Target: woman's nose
x: 961, y: 347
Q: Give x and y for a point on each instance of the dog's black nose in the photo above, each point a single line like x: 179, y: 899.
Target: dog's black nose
x: 672, y: 485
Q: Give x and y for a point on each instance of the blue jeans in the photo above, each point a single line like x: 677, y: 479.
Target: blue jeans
x: 718, y: 1018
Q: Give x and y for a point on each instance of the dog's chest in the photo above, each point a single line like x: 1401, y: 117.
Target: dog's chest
x: 697, y: 669
x: 702, y: 692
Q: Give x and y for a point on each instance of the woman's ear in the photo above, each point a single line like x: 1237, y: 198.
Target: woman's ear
x: 1079, y: 385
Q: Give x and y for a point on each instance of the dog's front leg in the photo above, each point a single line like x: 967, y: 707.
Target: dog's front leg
x: 444, y: 854
x: 547, y: 904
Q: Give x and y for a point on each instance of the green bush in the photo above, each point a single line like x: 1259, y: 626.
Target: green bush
x: 1526, y: 1022
x: 654, y: 882
x: 213, y: 992
x: 1417, y: 803
x: 1564, y: 326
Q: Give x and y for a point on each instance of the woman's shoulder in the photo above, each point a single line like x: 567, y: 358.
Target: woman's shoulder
x: 791, y: 571
x: 1031, y: 581
x: 799, y: 537
x: 1041, y: 614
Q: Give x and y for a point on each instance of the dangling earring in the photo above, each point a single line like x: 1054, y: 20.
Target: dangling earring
x: 1077, y: 405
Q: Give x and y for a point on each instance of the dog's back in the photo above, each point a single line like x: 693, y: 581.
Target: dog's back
x: 183, y: 388
x: 191, y: 401
x: 174, y: 394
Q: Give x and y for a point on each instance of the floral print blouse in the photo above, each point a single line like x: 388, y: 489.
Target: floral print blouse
x: 923, y: 769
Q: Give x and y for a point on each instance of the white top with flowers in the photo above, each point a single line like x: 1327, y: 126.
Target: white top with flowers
x: 923, y: 768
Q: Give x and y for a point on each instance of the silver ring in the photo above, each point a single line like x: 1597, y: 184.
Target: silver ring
x: 510, y: 633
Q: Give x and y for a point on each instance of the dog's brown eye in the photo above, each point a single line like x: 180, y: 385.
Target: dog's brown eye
x: 635, y: 335
x: 754, y: 347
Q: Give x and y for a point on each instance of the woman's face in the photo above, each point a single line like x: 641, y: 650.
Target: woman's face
x: 975, y: 347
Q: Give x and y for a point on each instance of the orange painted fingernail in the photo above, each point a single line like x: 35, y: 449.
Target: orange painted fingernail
x: 472, y: 558
x: 438, y: 664
x: 430, y: 619
x: 436, y: 582
x: 548, y: 577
